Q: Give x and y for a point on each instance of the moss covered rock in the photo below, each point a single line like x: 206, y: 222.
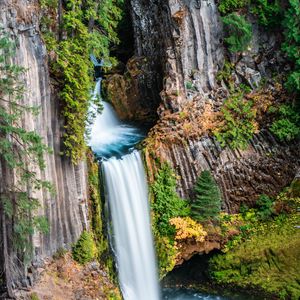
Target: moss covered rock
x: 269, y: 259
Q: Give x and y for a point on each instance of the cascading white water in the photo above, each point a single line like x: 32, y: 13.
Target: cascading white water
x: 127, y: 194
x: 128, y: 199
x: 109, y: 136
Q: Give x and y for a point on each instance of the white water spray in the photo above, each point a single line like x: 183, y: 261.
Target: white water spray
x: 109, y: 136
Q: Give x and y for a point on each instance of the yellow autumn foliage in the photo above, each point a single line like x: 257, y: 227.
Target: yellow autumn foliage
x: 187, y: 228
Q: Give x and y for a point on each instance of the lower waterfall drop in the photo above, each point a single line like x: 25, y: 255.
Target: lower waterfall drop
x: 127, y: 194
x: 128, y: 199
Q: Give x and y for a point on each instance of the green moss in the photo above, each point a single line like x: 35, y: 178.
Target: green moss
x: 96, y: 217
x: 269, y: 259
x: 295, y: 187
x: 85, y: 249
x: 95, y: 205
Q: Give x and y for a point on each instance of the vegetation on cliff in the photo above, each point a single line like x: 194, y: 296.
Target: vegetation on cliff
x: 291, y: 45
x: 84, y: 28
x: 84, y: 250
x: 207, y: 203
x: 176, y: 220
x: 238, y: 31
x: 166, y: 205
x: 285, y: 116
x: 265, y: 254
x: 22, y: 158
x: 97, y: 219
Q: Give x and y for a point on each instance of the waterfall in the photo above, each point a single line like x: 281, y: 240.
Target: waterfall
x: 127, y: 195
x: 128, y: 199
x: 110, y: 136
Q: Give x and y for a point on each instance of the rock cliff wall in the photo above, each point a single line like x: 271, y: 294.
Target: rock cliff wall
x: 184, y: 40
x: 66, y: 211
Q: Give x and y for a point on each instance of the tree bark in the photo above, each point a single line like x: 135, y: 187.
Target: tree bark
x: 4, y: 254
x: 7, y: 271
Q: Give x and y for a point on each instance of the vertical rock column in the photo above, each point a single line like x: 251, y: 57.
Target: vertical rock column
x: 67, y: 210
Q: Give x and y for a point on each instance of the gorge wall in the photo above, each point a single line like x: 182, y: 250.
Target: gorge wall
x: 184, y: 41
x: 66, y: 211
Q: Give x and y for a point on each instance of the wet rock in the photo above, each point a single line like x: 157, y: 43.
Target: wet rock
x: 126, y: 94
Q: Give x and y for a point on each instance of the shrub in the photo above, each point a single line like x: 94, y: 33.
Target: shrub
x: 85, y: 249
x: 287, y: 124
x: 238, y: 32
x: 166, y: 254
x: 238, y: 124
x: 207, y: 204
x: 186, y: 228
x: 34, y: 296
x: 228, y: 6
x: 268, y: 12
x: 291, y: 24
x: 167, y: 204
x: 265, y: 207
x: 189, y: 85
x: 60, y: 253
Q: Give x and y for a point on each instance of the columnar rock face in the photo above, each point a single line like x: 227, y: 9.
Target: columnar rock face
x: 184, y: 40
x: 266, y: 166
x: 66, y: 211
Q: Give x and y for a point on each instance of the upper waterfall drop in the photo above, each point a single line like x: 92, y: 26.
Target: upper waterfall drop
x: 109, y: 136
x: 127, y: 194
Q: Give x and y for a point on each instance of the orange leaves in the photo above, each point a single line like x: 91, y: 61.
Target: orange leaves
x: 186, y: 228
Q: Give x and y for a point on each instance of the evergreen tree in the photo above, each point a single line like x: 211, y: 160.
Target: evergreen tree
x: 238, y: 32
x: 207, y: 204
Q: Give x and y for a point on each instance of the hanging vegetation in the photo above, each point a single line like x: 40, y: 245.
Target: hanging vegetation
x: 85, y: 27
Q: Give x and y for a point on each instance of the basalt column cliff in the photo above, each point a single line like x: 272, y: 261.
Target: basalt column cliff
x: 66, y: 209
x: 184, y: 43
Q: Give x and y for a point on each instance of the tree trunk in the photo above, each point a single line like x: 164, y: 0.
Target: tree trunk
x: 4, y: 251
x: 5, y: 257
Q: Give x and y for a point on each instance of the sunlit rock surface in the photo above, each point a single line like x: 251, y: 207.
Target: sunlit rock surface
x: 66, y: 211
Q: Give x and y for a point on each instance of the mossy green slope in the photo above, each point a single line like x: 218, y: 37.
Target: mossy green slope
x: 269, y: 260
